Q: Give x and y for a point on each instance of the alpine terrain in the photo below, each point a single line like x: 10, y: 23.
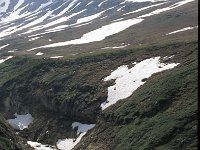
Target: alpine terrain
x: 98, y: 74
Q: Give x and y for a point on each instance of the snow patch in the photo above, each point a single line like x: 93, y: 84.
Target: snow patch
x: 181, y: 30
x: 116, y: 47
x: 35, y: 38
x: 89, y: 3
x: 142, y: 1
x: 55, y: 57
x: 98, y: 34
x: 12, y: 51
x: 157, y: 11
x: 128, y: 80
x: 5, y: 6
x: 3, y: 60
x: 144, y: 8
x: 21, y: 121
x: 39, y: 53
x: 39, y: 146
x: 1, y: 47
x: 89, y: 18
x: 102, y: 3
x: 69, y: 143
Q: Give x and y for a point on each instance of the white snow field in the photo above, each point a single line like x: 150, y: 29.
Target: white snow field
x: 98, y: 34
x: 21, y: 121
x: 128, y: 80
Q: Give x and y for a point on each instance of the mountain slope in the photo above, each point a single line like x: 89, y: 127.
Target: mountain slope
x: 36, y: 86
x: 55, y: 56
x: 73, y: 27
x: 160, y: 115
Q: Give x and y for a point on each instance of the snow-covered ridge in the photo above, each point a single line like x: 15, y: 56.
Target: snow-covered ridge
x: 128, y: 80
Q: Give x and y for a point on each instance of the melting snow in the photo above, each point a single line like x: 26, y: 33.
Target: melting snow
x: 101, y: 3
x: 12, y: 51
x: 20, y: 2
x: 128, y: 80
x: 142, y: 1
x: 57, y: 17
x: 5, y: 7
x: 55, y: 57
x: 39, y: 54
x: 39, y: 146
x: 2, y: 60
x: 181, y: 30
x: 89, y: 18
x: 68, y: 144
x: 21, y: 121
x: 35, y: 38
x: 89, y: 3
x: 70, y: 5
x: 144, y: 8
x: 1, y: 47
x: 116, y: 47
x: 157, y: 11
x: 98, y: 34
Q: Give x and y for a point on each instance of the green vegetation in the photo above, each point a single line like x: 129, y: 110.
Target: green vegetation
x: 161, y: 114
x: 8, y: 139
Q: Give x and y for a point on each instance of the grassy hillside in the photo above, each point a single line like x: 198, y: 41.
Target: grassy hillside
x: 161, y: 114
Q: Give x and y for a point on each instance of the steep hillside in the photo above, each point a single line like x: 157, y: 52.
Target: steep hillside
x: 98, y: 74
x: 65, y: 91
x: 161, y: 115
x: 8, y: 139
